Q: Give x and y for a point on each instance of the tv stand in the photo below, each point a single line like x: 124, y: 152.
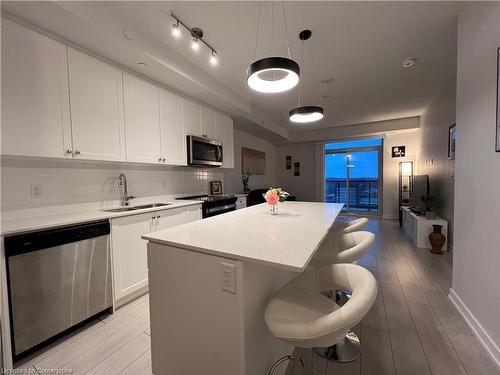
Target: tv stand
x: 418, y: 228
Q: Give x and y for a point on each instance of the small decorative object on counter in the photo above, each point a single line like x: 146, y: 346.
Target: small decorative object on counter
x: 244, y: 179
x: 437, y: 239
x: 215, y: 187
x: 273, y: 196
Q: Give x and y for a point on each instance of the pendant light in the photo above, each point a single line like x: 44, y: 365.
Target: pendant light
x: 273, y: 74
x: 309, y: 113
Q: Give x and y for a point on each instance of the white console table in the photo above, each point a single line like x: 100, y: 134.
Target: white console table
x: 418, y: 228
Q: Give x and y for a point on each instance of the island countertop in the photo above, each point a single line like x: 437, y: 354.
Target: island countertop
x: 287, y: 240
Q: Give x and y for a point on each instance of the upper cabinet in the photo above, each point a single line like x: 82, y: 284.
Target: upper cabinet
x: 224, y: 126
x: 191, y: 115
x: 208, y: 128
x: 35, y: 97
x: 142, y: 120
x: 173, y: 141
x: 96, y: 92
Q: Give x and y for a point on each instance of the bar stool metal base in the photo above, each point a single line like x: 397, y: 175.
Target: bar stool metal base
x: 276, y: 364
x: 348, y: 350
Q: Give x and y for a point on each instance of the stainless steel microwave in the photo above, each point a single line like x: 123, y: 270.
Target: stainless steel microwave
x: 203, y: 152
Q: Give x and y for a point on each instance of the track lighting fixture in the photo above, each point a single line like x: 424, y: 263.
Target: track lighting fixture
x: 273, y: 74
x: 309, y: 113
x: 197, y: 38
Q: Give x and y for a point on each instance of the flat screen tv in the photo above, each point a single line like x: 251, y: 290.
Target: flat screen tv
x: 421, y: 186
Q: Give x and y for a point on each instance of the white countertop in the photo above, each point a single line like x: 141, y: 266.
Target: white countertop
x: 50, y: 217
x: 287, y: 240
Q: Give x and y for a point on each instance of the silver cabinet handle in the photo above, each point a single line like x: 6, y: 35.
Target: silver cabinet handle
x: 164, y: 160
x: 77, y: 152
x: 68, y: 151
x: 159, y: 159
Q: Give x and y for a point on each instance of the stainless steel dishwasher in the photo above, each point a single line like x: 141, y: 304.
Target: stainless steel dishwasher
x: 56, y: 278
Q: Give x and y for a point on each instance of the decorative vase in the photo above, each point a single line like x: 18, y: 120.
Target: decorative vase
x: 274, y: 209
x: 437, y: 239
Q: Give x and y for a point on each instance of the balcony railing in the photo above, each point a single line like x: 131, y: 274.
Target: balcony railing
x: 363, y: 193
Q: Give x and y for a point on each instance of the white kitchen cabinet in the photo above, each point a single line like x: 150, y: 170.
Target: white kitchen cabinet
x: 173, y: 140
x: 35, y: 95
x: 96, y: 97
x: 208, y: 129
x: 224, y: 125
x: 142, y: 120
x: 191, y: 118
x: 130, y: 271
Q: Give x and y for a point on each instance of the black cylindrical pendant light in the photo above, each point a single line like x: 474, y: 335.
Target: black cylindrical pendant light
x: 309, y: 113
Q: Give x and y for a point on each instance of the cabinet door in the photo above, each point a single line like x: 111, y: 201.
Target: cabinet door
x: 173, y: 140
x: 169, y: 218
x: 129, y: 253
x: 192, y: 213
x: 191, y: 118
x: 142, y: 120
x: 96, y: 97
x: 225, y: 134
x: 35, y: 98
x: 208, y: 129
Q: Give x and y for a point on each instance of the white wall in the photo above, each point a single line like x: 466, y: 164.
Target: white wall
x: 72, y: 182
x: 232, y: 177
x: 390, y: 208
x: 476, y: 253
x: 303, y: 186
x: 433, y: 153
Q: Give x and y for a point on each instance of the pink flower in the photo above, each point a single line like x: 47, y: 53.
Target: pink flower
x: 272, y: 197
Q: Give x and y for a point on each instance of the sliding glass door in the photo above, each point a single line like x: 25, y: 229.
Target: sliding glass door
x: 352, y: 176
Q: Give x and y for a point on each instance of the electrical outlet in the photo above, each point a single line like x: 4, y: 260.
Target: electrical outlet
x: 228, y: 277
x: 36, y: 191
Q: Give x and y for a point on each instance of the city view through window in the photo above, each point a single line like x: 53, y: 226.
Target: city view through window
x: 352, y: 170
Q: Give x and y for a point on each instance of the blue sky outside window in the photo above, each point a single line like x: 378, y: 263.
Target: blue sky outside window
x: 353, y: 144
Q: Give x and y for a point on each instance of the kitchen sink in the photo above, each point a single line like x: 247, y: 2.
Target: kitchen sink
x: 140, y: 207
x: 152, y: 205
x: 120, y: 209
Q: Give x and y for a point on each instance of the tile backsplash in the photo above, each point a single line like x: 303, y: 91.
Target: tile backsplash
x: 31, y: 183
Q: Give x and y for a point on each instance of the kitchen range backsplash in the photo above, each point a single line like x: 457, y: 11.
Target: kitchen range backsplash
x: 38, y: 183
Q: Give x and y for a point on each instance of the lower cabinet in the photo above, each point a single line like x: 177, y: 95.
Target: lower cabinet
x: 130, y: 272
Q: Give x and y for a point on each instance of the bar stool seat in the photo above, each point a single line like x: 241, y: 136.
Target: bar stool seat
x: 350, y: 226
x: 343, y: 248
x: 300, y: 313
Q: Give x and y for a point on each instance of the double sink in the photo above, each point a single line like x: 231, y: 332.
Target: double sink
x: 140, y: 207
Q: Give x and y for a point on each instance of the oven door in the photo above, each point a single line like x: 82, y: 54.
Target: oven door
x: 218, y: 210
x: 204, y: 152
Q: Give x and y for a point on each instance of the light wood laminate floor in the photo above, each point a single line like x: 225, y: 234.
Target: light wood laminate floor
x: 411, y: 329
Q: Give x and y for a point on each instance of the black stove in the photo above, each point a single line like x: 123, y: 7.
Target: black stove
x: 214, y: 204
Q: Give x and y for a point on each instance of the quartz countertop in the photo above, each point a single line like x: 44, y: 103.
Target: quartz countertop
x: 287, y: 240
x: 43, y: 218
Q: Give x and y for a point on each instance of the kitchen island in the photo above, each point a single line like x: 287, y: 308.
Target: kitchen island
x: 210, y: 281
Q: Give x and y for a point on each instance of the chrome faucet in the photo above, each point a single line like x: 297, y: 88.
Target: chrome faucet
x: 122, y: 183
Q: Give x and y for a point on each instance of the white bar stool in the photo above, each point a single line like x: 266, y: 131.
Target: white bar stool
x: 351, y: 226
x: 301, y: 314
x: 343, y: 248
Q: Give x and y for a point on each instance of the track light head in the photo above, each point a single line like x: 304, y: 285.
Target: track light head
x: 176, y: 31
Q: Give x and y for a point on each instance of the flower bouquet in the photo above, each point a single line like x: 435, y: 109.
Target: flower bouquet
x: 273, y: 196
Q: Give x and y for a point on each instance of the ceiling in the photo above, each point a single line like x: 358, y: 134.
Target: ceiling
x: 358, y: 44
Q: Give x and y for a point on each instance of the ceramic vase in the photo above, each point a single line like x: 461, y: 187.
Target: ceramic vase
x: 274, y: 209
x: 437, y: 239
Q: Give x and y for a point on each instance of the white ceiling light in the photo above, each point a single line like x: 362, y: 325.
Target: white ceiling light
x: 213, y: 59
x: 273, y: 74
x: 309, y: 113
x: 195, y: 45
x: 176, y: 31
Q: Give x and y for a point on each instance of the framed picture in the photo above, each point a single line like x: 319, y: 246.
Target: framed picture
x: 497, y: 145
x: 452, y: 139
x: 398, y: 151
x: 296, y: 168
x: 288, y: 161
x: 215, y: 187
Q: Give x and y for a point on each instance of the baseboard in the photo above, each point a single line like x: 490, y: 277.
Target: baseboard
x: 484, y: 338
x: 390, y: 216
